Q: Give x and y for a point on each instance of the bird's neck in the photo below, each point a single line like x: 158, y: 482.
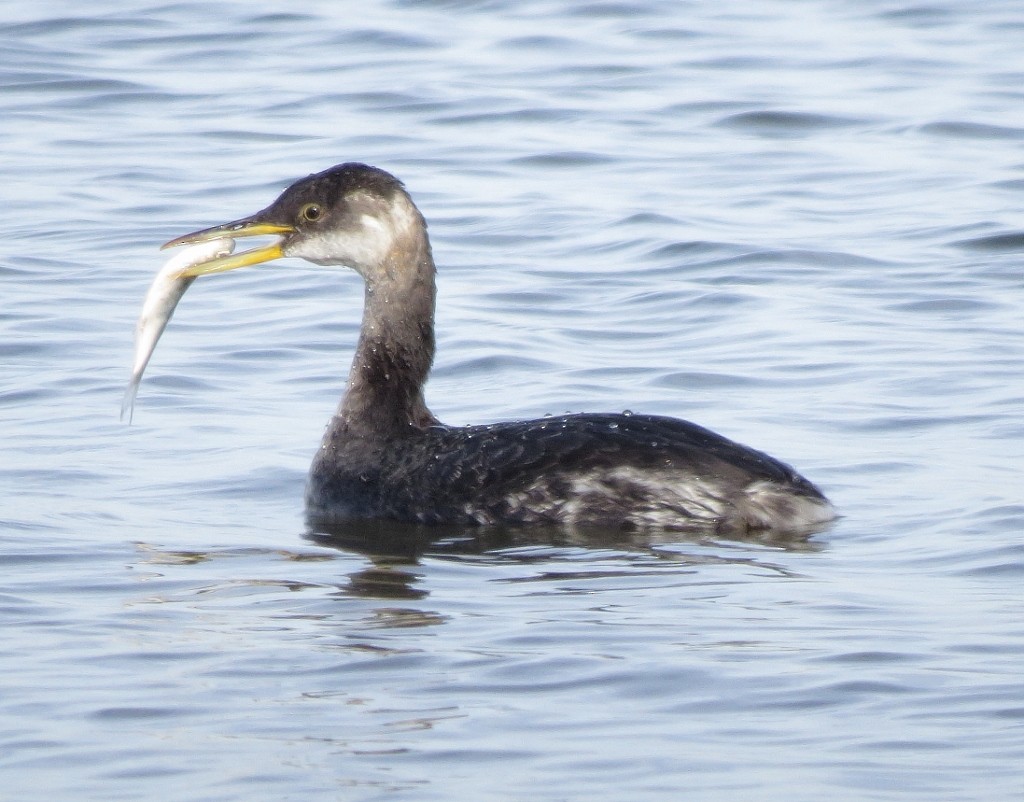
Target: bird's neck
x: 384, y: 396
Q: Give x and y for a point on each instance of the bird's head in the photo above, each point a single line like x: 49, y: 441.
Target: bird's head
x: 351, y: 214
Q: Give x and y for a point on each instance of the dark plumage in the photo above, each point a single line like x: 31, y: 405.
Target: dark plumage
x: 634, y: 471
x: 385, y: 455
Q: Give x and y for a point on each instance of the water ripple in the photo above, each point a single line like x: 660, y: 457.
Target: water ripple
x: 792, y: 224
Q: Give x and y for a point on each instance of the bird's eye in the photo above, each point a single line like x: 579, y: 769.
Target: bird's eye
x: 311, y: 212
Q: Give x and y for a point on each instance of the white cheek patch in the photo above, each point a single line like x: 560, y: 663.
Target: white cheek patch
x: 403, y: 216
x: 365, y: 247
x: 369, y: 221
x: 367, y: 244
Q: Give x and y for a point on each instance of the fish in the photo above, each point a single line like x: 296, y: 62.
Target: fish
x: 164, y: 293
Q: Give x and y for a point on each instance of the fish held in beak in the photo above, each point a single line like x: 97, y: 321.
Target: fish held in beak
x: 165, y: 292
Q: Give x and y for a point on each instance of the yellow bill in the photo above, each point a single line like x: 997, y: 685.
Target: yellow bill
x: 235, y: 230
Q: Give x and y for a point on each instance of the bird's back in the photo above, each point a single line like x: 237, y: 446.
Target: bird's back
x: 608, y: 470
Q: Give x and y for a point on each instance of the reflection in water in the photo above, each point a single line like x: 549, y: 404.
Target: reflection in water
x: 395, y: 550
x: 391, y: 545
x: 158, y: 556
x: 384, y: 582
x: 392, y: 541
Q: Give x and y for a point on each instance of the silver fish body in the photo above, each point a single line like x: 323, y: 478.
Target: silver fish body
x: 164, y: 293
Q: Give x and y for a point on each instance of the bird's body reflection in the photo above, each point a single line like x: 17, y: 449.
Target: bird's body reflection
x: 396, y: 550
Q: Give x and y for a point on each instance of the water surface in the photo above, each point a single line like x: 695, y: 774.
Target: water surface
x: 796, y: 223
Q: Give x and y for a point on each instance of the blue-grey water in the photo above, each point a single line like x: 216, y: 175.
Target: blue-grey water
x: 797, y: 223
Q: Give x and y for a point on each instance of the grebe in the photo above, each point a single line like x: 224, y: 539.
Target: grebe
x: 384, y: 454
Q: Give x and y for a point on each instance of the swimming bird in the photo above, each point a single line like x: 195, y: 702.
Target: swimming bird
x: 386, y: 456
